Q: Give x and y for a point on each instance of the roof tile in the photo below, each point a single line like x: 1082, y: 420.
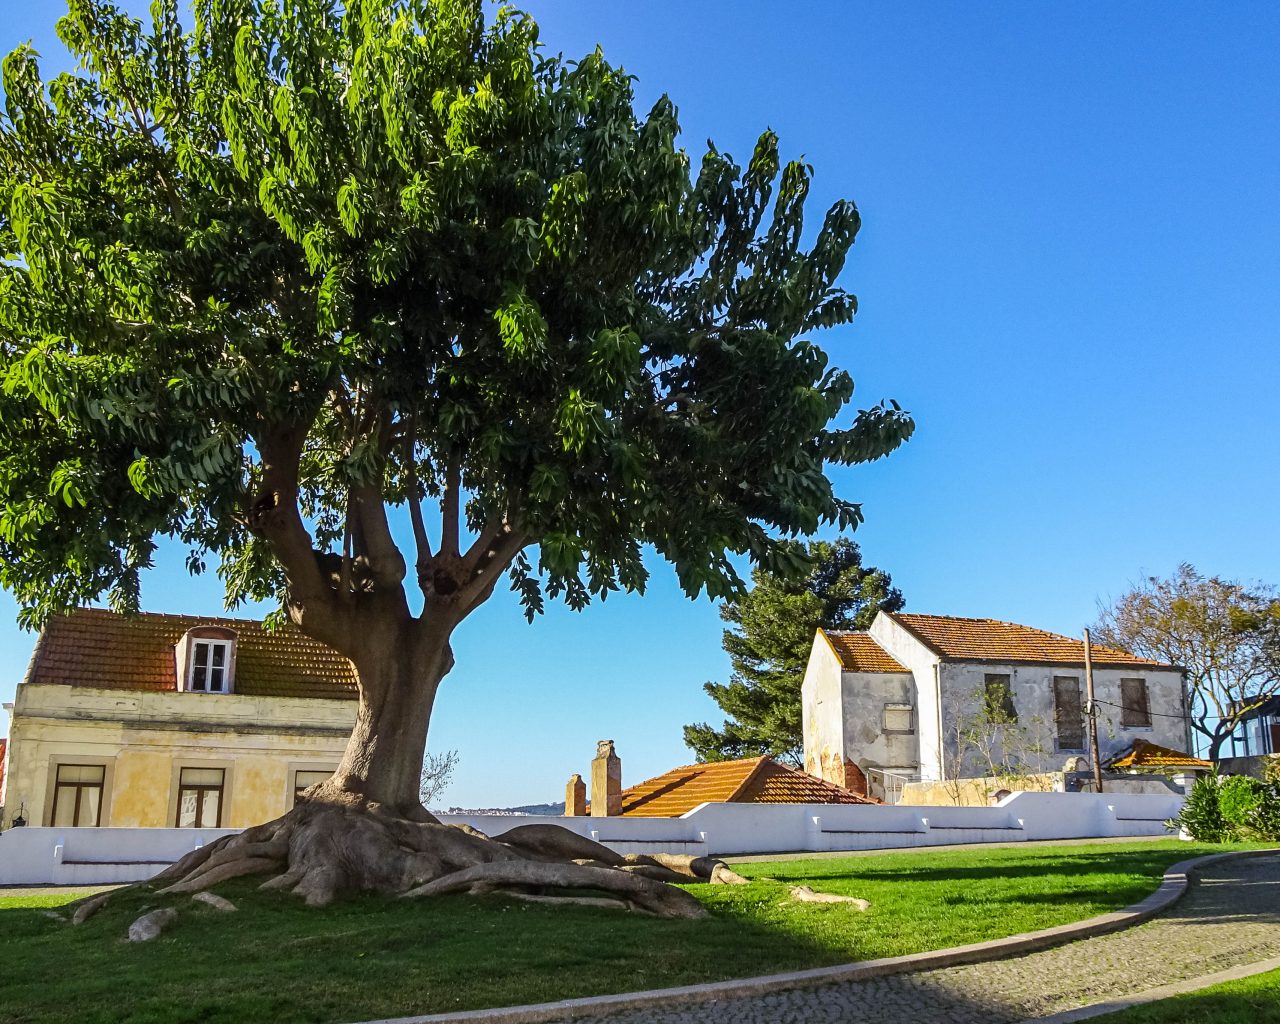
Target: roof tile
x: 859, y: 652
x: 92, y: 647
x: 993, y: 640
x: 756, y: 780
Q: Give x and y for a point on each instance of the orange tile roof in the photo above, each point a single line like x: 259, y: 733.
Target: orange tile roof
x: 858, y: 652
x: 752, y: 780
x: 993, y: 640
x: 1151, y: 755
x: 95, y: 648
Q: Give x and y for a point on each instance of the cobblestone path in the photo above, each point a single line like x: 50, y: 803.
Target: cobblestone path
x: 1230, y: 916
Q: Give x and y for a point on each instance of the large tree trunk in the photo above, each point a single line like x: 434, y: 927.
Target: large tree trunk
x: 399, y: 668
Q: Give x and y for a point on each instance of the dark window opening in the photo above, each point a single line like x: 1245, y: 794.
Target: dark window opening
x: 998, y: 700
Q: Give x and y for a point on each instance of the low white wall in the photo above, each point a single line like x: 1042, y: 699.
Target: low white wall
x: 36, y: 856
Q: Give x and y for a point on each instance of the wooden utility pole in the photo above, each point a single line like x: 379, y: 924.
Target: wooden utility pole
x: 1092, y: 712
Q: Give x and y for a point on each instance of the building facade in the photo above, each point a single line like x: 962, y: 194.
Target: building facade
x: 898, y: 700
x: 171, y: 720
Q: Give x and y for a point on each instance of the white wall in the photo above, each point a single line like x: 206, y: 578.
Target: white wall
x: 821, y: 702
x: 923, y: 663
x: 35, y: 856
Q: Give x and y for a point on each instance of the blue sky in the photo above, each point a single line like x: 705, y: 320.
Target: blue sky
x: 1069, y: 271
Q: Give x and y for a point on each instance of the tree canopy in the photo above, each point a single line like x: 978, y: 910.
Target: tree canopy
x: 1222, y: 632
x: 768, y: 642
x: 266, y: 278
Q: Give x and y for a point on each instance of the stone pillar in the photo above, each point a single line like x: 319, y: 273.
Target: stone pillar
x: 575, y: 797
x: 606, y: 781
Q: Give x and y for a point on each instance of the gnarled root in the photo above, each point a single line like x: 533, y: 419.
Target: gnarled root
x: 320, y: 851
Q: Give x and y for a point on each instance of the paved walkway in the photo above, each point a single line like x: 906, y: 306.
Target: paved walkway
x: 1230, y: 916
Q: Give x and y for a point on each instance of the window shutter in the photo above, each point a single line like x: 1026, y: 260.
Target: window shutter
x: 1135, y: 711
x: 1068, y: 713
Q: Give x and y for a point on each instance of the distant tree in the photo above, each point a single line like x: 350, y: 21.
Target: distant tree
x: 437, y: 773
x: 267, y: 281
x: 768, y: 642
x: 1225, y: 634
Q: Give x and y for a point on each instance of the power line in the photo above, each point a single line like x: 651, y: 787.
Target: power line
x: 1157, y: 714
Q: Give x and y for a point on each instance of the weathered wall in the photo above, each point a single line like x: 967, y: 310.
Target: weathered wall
x: 31, y: 856
x: 1032, y: 686
x: 143, y: 739
x: 865, y: 739
x: 821, y: 701
x: 924, y: 667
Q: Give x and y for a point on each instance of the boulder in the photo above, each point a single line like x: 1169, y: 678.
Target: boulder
x: 150, y: 926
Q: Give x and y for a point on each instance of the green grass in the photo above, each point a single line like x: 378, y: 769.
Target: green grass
x: 276, y: 960
x: 1253, y: 1000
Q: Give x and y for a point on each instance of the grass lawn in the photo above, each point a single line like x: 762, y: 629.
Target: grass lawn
x: 276, y: 960
x: 1253, y: 1000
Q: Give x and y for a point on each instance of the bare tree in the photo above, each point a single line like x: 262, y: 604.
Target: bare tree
x: 1224, y: 634
x: 984, y: 739
x: 437, y: 773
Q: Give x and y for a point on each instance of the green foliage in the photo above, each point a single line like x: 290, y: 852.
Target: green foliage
x: 433, y: 252
x: 1238, y: 799
x: 1201, y: 817
x: 769, y: 640
x: 1232, y: 808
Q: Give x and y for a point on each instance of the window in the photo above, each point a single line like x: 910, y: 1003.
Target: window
x: 998, y: 699
x: 305, y: 779
x: 210, y: 662
x: 897, y: 718
x: 77, y: 796
x: 1135, y: 711
x: 1068, y: 714
x: 200, y: 797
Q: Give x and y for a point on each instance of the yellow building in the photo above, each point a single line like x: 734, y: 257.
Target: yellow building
x: 172, y: 720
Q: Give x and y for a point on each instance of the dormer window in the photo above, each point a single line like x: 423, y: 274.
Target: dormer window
x: 206, y: 660
x: 210, y: 661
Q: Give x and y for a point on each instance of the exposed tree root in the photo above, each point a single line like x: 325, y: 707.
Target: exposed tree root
x: 804, y: 894
x: 321, y: 851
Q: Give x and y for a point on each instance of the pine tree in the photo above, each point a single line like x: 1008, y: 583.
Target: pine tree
x: 768, y: 642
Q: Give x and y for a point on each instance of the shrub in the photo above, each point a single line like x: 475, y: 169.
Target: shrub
x: 1238, y: 799
x: 1201, y: 818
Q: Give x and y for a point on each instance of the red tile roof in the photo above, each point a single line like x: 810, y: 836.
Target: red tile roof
x: 99, y: 649
x: 993, y: 640
x: 752, y: 780
x: 858, y: 652
x: 1151, y: 755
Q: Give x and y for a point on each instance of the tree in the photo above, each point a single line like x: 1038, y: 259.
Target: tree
x: 768, y: 642
x: 437, y: 773
x: 1222, y: 632
x: 273, y: 281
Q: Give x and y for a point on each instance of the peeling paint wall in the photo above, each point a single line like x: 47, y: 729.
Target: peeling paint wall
x: 1033, y: 699
x: 865, y: 738
x: 143, y: 739
x: 821, y: 699
x: 924, y: 665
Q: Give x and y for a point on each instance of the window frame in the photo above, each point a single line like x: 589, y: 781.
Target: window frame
x: 200, y: 790
x: 898, y: 706
x: 1141, y: 715
x: 1059, y: 747
x: 1006, y: 705
x: 100, y: 786
x: 226, y: 646
x: 298, y: 790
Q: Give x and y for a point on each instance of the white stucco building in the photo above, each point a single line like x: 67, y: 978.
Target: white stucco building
x: 885, y: 703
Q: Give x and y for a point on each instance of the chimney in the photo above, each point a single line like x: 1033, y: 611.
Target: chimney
x: 575, y: 797
x: 606, y: 781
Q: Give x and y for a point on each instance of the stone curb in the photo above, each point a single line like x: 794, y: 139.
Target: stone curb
x: 1155, y: 995
x: 1172, y: 887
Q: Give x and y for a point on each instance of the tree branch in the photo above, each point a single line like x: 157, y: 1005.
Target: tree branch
x: 420, y: 539
x: 487, y: 559
x: 385, y: 560
x: 450, y: 505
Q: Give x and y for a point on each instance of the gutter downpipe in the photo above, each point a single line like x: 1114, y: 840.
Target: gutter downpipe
x: 937, y: 687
